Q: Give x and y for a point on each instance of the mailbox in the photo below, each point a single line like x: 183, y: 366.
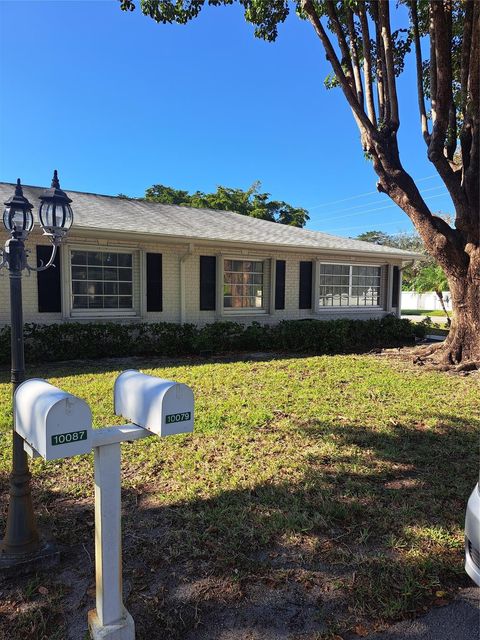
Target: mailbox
x: 161, y: 406
x: 53, y: 422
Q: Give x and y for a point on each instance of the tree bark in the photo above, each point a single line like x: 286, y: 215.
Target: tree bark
x: 457, y: 253
x: 463, y: 342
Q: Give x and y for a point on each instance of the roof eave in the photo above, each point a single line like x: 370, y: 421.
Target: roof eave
x: 207, y: 241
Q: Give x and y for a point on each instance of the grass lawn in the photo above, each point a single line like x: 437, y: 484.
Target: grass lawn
x: 439, y: 313
x: 318, y: 497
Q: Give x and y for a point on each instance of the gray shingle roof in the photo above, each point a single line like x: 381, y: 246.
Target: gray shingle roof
x: 111, y: 213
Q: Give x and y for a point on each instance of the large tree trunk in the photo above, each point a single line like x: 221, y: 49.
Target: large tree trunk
x: 463, y: 342
x: 458, y: 253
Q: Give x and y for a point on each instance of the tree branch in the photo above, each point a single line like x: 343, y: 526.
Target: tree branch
x: 418, y: 58
x: 362, y: 120
x: 382, y: 82
x: 443, y: 74
x: 367, y: 64
x: 342, y: 41
x: 441, y: 77
x: 433, y: 67
x: 465, y: 59
x: 384, y: 15
x: 439, y: 238
x: 451, y: 141
x: 471, y: 170
x: 354, y: 55
x: 465, y: 133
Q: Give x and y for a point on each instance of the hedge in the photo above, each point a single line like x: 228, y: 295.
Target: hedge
x: 75, y: 340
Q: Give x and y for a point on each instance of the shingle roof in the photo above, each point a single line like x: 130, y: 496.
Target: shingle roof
x: 111, y: 213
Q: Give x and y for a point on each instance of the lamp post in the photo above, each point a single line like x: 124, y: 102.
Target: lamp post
x: 22, y: 542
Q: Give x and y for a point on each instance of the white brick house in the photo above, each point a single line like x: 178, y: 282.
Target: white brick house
x: 132, y: 260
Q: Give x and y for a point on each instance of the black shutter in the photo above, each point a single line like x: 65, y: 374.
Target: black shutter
x: 208, y: 283
x: 279, y: 284
x: 48, y: 282
x: 154, y: 282
x: 396, y: 288
x: 305, y: 292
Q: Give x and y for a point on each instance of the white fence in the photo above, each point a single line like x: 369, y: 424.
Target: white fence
x: 422, y: 301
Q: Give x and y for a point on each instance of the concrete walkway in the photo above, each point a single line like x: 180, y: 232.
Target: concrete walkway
x: 459, y: 620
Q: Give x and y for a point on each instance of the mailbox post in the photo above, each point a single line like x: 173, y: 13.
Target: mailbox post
x: 55, y: 424
x: 110, y: 619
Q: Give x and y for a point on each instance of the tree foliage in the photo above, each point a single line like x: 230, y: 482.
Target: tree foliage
x: 406, y: 241
x: 251, y: 202
x: 377, y: 237
x: 430, y: 277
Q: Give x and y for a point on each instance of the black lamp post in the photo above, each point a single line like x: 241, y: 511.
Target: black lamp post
x: 22, y: 542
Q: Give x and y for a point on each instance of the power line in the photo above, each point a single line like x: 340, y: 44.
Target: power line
x: 384, y: 224
x: 327, y: 204
x: 389, y: 206
x: 367, y: 204
x: 361, y: 195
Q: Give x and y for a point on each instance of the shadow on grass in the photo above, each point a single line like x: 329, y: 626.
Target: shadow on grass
x: 105, y: 365
x: 370, y: 532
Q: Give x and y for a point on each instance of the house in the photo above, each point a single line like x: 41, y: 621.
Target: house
x: 133, y: 260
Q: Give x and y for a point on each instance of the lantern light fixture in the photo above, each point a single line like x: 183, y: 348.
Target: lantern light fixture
x: 55, y: 213
x: 22, y: 541
x: 17, y: 216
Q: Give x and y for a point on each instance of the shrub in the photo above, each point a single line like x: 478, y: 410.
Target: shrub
x: 75, y: 340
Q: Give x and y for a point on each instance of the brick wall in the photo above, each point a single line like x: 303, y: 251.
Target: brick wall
x: 173, y: 255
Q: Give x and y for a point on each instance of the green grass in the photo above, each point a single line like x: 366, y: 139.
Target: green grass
x: 359, y: 465
x: 422, y: 312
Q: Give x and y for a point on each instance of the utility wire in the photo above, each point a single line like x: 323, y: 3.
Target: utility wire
x: 384, y: 224
x: 367, y: 204
x: 361, y: 195
x: 388, y: 206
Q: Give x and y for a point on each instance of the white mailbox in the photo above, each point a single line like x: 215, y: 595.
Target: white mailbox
x: 53, y: 422
x: 161, y: 406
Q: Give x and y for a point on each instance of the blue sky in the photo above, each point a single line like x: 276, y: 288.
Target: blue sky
x: 117, y: 103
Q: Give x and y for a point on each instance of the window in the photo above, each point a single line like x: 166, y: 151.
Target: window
x: 243, y: 284
x: 102, y: 280
x: 343, y: 285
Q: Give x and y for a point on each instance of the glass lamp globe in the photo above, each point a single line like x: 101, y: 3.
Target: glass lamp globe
x: 55, y: 213
x: 17, y: 216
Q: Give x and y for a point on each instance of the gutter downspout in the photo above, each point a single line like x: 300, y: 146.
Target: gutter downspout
x: 183, y: 259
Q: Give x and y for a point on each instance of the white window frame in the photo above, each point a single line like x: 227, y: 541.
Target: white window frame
x: 360, y: 309
x: 134, y: 312
x: 244, y: 311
